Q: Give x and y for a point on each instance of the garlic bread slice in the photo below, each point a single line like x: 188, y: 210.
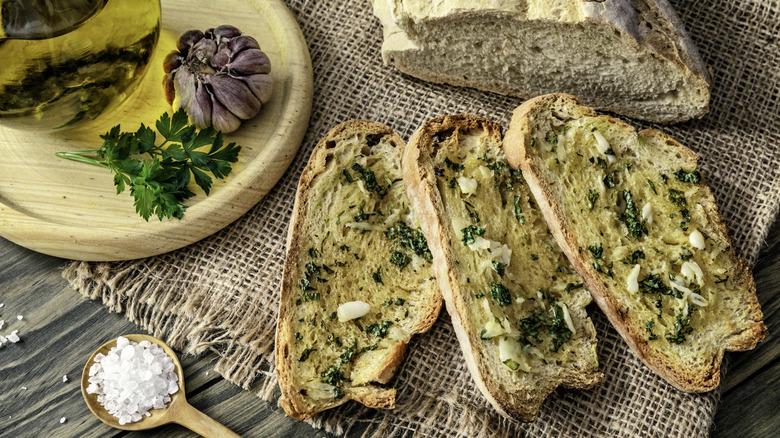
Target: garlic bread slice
x: 634, y: 215
x: 517, y: 305
x: 357, y: 281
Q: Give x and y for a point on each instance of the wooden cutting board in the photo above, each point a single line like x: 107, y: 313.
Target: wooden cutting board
x: 71, y: 210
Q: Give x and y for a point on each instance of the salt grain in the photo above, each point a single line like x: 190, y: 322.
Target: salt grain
x: 132, y: 379
x: 1, y: 305
x: 13, y: 337
x: 2, y: 323
x: 19, y: 317
x: 64, y: 378
x: 63, y: 419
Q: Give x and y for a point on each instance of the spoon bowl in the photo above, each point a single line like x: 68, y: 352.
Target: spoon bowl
x: 178, y: 410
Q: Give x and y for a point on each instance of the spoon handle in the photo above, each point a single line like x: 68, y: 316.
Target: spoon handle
x: 202, y: 424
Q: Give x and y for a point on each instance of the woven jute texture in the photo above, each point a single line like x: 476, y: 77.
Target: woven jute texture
x: 220, y: 294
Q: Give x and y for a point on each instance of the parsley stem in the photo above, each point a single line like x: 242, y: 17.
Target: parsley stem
x: 81, y: 157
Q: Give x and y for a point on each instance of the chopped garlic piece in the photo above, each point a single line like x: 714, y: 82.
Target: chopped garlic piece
x: 467, y: 185
x: 692, y: 272
x: 485, y: 172
x: 458, y: 223
x: 567, y: 318
x: 479, y: 243
x: 697, y: 299
x: 394, y: 215
x: 363, y: 226
x: 601, y: 143
x: 510, y: 349
x: 632, y: 283
x: 697, y: 240
x: 519, y: 300
x: 352, y: 310
x: 500, y: 253
x: 492, y: 329
x: 319, y: 390
x: 681, y: 288
x: 647, y: 213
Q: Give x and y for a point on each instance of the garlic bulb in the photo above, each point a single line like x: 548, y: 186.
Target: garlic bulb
x: 219, y: 77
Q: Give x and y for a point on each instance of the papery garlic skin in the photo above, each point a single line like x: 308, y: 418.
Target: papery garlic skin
x: 220, y: 77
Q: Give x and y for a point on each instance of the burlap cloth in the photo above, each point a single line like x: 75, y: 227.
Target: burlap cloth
x: 220, y: 294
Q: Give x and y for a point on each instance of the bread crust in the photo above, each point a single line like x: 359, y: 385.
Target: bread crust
x: 372, y: 396
x: 427, y: 203
x: 519, y: 155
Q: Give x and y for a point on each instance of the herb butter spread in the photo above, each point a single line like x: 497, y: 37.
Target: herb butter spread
x: 520, y: 289
x: 361, y: 282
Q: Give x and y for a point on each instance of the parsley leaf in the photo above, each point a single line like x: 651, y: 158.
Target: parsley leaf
x: 160, y: 185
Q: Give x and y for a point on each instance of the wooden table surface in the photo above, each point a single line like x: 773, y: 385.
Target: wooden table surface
x: 60, y: 329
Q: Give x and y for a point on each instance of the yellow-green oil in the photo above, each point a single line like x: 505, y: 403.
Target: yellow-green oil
x: 67, y: 61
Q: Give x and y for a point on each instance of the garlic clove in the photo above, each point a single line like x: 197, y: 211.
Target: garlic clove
x: 235, y: 96
x: 199, y: 109
x: 242, y: 42
x: 251, y: 61
x: 184, y: 86
x: 171, y: 62
x: 204, y: 50
x: 262, y: 86
x: 221, y: 59
x: 187, y: 40
x: 222, y: 119
x: 169, y: 88
x: 226, y: 31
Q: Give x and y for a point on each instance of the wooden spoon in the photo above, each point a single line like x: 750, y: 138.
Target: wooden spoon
x: 177, y: 411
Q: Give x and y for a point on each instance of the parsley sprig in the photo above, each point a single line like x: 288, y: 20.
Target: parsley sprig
x: 161, y: 185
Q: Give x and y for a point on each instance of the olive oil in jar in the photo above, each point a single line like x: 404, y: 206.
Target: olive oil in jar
x: 67, y: 61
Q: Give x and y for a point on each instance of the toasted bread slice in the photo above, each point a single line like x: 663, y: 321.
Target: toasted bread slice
x: 357, y: 282
x: 637, y: 220
x: 632, y: 57
x: 517, y: 305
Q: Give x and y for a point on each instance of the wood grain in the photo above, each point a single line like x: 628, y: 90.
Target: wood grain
x: 71, y: 209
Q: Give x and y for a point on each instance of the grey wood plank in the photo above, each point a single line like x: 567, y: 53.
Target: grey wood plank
x: 742, y: 365
x: 751, y: 409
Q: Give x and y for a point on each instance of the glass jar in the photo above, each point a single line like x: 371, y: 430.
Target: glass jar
x: 64, y: 62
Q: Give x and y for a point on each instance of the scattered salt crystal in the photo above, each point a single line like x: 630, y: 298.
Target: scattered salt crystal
x: 19, y: 317
x: 2, y: 323
x: 63, y: 419
x: 13, y: 337
x: 1, y: 305
x: 64, y: 378
x: 24, y: 388
x: 133, y: 378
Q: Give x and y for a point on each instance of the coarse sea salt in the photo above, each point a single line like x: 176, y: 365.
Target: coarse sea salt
x: 132, y: 379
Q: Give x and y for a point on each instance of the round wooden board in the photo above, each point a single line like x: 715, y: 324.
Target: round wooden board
x: 71, y: 210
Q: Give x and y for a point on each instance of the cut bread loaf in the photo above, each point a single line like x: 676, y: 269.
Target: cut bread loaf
x: 635, y: 217
x: 632, y: 57
x: 357, y: 280
x: 517, y: 305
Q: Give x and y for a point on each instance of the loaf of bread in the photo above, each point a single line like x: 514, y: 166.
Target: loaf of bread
x: 635, y: 217
x: 357, y: 282
x: 632, y: 57
x: 517, y: 305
